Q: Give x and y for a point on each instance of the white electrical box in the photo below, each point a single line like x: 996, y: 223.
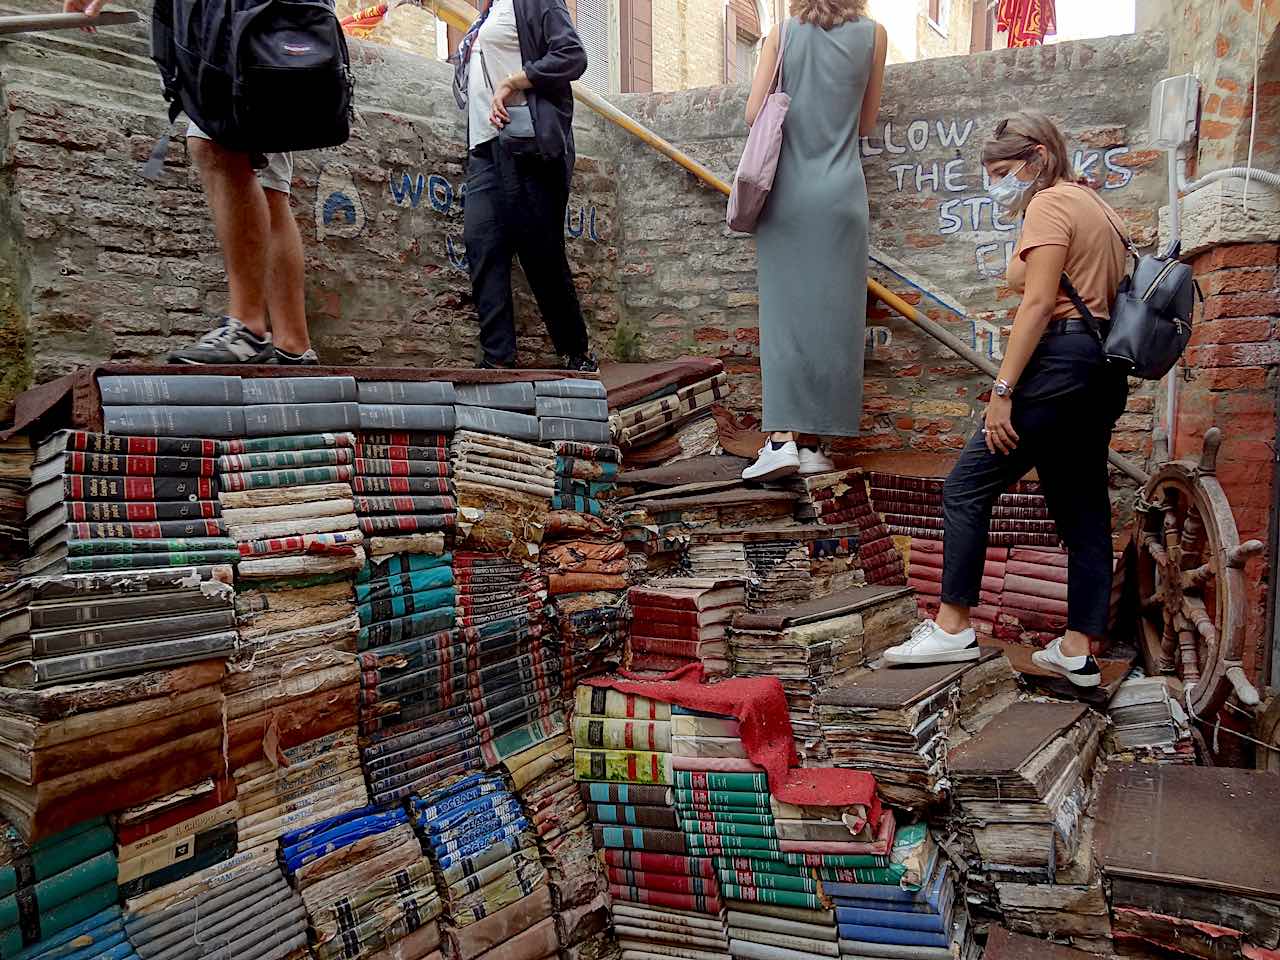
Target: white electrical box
x: 1175, y: 107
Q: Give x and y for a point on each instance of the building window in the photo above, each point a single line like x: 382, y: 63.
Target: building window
x: 940, y: 15
x: 742, y: 32
x: 593, y: 22
x: 745, y: 59
x: 984, y: 26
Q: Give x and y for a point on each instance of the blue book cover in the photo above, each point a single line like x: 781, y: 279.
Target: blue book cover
x: 892, y: 919
x: 888, y: 893
x: 78, y: 938
x: 341, y: 836
x: 294, y: 837
x: 894, y: 936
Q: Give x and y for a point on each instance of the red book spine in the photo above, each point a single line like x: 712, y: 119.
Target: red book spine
x: 664, y: 882
x: 224, y: 792
x: 660, y: 863
x: 667, y: 648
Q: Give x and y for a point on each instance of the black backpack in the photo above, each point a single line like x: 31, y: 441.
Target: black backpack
x: 1151, y: 318
x: 257, y: 76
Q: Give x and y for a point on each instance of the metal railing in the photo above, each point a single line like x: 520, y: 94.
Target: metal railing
x: 30, y: 23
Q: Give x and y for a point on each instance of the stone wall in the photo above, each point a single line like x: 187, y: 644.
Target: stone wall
x: 689, y: 285
x: 688, y: 44
x: 103, y: 264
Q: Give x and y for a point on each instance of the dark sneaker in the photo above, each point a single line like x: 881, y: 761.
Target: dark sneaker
x: 490, y: 365
x: 584, y: 364
x: 308, y: 358
x: 1081, y: 671
x: 229, y: 343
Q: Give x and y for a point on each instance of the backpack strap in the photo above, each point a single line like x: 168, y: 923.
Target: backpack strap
x: 1073, y: 295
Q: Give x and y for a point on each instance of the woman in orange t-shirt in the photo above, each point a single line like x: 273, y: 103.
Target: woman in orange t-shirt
x: 1052, y: 407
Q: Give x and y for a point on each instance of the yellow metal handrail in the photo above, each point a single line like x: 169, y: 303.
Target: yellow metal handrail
x: 458, y: 14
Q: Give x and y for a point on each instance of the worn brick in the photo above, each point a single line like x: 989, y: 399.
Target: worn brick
x: 1250, y: 329
x: 1241, y: 305
x: 1235, y: 355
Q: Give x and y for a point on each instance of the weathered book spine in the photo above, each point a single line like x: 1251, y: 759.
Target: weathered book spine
x: 282, y: 419
x: 659, y: 862
x: 416, y: 393
x: 403, y: 564
x: 405, y: 505
x: 626, y: 793
x: 306, y: 441
x: 83, y: 440
x: 631, y: 766
x: 158, y: 530
x: 405, y: 486
x: 373, y: 526
x: 98, y: 547
x: 141, y: 561
x: 272, y: 479
x: 427, y: 601
x: 504, y: 423
x: 75, y: 488
x: 388, y: 417
x: 26, y: 907
x: 603, y: 702
x: 499, y: 396
x: 658, y: 898
x: 561, y: 428
x: 667, y: 882
x: 402, y: 468
x: 663, y: 647
x: 175, y: 421
x: 385, y: 451
x: 48, y: 859
x: 68, y: 642
x: 603, y: 733
x: 161, y: 390
x: 284, y: 459
x: 258, y: 390
x: 143, y: 512
x: 738, y: 782
x: 662, y: 818
x: 140, y: 465
x: 222, y: 850
x: 574, y: 387
x: 573, y: 408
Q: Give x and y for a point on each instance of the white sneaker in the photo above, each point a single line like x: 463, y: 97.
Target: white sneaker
x: 773, y: 464
x: 814, y: 461
x: 1081, y: 671
x: 929, y: 643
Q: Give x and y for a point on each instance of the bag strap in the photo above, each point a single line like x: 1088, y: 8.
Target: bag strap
x: 1073, y: 295
x: 776, y: 83
x: 1107, y: 212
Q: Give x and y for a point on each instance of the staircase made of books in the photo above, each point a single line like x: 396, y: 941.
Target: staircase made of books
x: 303, y: 665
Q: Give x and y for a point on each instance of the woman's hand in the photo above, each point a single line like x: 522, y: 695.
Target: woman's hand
x: 498, y: 115
x: 999, y: 432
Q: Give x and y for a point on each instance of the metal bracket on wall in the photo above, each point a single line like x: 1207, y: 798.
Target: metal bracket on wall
x: 458, y: 14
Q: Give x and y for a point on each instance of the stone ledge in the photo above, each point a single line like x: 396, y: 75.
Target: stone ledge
x: 1215, y: 215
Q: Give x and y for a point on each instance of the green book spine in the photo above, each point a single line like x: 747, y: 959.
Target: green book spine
x: 306, y: 441
x: 729, y: 816
x: 55, y: 919
x: 270, y: 479
x: 285, y: 459
x: 780, y: 898
x: 142, y: 561
x: 891, y: 875
x: 710, y: 828
x: 87, y: 548
x: 399, y: 564
x: 62, y: 887
x: 402, y: 584
x: 714, y: 843
x: 56, y: 854
x: 428, y: 601
x: 723, y: 800
x: 741, y: 782
x: 776, y: 881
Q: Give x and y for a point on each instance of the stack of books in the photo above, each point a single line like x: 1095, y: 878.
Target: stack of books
x: 16, y: 458
x: 488, y: 867
x: 1148, y: 725
x: 710, y: 556
x: 682, y: 621
x: 1022, y: 786
x: 662, y: 897
x: 1188, y: 853
x: 97, y: 716
x: 513, y: 671
x: 575, y: 411
x: 505, y: 486
x: 840, y: 498
x: 245, y: 912
x: 896, y: 724
x: 924, y: 575
x: 499, y: 409
x: 56, y: 890
x: 653, y: 418
x: 404, y: 492
x: 415, y: 720
x: 835, y: 562
x: 586, y: 565
x: 1033, y: 598
x: 99, y: 502
x: 586, y: 475
x: 909, y: 908
x: 164, y: 842
x: 1002, y: 944
x: 312, y: 781
x: 811, y: 646
x: 366, y: 886
x: 912, y: 507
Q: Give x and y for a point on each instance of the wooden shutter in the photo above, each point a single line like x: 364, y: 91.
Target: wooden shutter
x: 592, y: 18
x: 730, y: 44
x: 747, y: 14
x: 637, y: 46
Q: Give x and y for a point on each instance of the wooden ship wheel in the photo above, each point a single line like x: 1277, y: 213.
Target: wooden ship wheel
x: 1191, y: 582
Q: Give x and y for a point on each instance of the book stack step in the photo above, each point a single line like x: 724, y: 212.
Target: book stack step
x: 572, y: 410
x: 488, y: 869
x: 100, y: 502
x: 835, y: 562
x: 1148, y: 724
x: 675, y: 406
x: 586, y: 476
x: 415, y: 721
x: 505, y: 486
x: 241, y: 913
x: 514, y: 677
x: 59, y: 889
x: 682, y: 621
x: 814, y: 645
x: 840, y: 498
x: 1021, y: 787
x: 365, y: 884
x: 16, y: 459
x: 912, y: 507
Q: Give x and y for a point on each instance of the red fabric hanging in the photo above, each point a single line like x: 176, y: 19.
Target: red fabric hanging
x: 1027, y: 22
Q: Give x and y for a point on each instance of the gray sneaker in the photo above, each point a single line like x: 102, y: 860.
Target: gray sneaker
x: 308, y: 358
x: 229, y: 343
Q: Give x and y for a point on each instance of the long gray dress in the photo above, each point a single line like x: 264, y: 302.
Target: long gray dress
x: 812, y: 237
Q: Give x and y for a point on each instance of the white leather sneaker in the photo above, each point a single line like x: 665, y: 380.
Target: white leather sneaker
x: 929, y: 643
x: 814, y: 461
x: 773, y: 464
x: 1081, y: 671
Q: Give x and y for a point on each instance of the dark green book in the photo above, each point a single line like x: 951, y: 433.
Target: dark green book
x: 757, y: 783
x: 54, y: 854
x: 88, y: 548
x: 142, y: 561
x: 405, y: 583
x: 780, y: 898
x: 60, y: 888
x: 402, y: 563
x: 44, y: 924
x: 761, y: 878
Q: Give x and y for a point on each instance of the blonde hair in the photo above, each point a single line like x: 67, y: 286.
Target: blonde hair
x: 1017, y: 137
x: 828, y: 13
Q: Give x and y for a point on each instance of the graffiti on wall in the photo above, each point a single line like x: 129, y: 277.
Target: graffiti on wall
x: 960, y: 184
x: 339, y: 211
x: 432, y: 191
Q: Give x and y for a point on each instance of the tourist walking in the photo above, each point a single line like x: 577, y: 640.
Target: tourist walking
x: 812, y: 234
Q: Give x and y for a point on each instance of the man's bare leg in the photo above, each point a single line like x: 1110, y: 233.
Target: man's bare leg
x: 286, y: 297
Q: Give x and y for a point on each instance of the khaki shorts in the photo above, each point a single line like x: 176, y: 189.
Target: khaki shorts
x: 277, y: 175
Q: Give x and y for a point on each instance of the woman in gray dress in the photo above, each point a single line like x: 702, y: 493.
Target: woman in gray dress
x: 812, y: 235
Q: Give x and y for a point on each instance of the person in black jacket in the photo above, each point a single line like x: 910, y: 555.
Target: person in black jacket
x: 521, y: 55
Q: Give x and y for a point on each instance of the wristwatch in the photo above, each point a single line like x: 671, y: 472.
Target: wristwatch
x: 1002, y: 389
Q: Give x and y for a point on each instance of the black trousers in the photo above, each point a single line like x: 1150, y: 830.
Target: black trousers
x: 1063, y: 412
x: 516, y: 206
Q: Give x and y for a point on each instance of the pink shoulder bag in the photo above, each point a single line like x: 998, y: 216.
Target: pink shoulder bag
x: 759, y: 163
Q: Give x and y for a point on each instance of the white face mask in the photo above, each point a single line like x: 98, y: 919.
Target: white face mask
x: 1012, y: 193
